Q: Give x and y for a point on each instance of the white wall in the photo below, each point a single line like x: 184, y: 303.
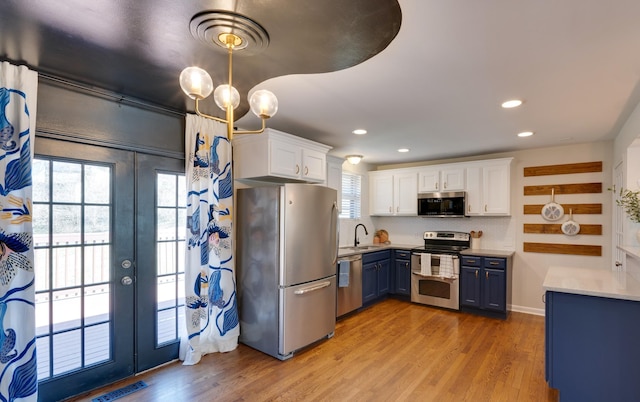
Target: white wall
x: 506, y: 233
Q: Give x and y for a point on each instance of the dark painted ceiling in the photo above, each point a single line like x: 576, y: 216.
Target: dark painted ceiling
x: 138, y: 47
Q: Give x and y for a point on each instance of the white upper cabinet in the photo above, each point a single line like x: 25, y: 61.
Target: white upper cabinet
x: 393, y: 193
x: 334, y: 176
x: 275, y: 156
x: 489, y: 187
x: 441, y: 179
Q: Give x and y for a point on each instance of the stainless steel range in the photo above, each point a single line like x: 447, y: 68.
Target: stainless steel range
x: 435, y: 269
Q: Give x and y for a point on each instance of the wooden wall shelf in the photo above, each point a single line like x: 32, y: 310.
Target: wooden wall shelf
x: 556, y: 228
x: 556, y: 248
x: 577, y: 188
x: 569, y: 168
x: 580, y: 209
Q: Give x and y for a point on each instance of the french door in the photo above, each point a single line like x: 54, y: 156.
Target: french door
x: 108, y: 237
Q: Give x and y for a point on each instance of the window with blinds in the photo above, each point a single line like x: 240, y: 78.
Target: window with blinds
x: 351, y: 195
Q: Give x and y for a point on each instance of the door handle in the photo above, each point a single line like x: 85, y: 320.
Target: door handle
x: 312, y: 288
x: 306, y: 170
x: 297, y: 168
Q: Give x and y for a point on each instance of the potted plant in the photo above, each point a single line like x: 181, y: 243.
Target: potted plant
x: 630, y: 202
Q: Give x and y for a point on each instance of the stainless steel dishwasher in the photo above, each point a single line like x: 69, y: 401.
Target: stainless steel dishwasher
x: 349, y: 284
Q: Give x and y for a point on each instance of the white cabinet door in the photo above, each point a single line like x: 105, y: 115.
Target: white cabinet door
x: 488, y: 188
x: 474, y: 190
x: 284, y: 159
x: 441, y: 179
x: 428, y: 180
x: 406, y: 194
x: 452, y: 179
x: 334, y: 177
x: 496, y: 189
x: 313, y: 166
x: 380, y: 193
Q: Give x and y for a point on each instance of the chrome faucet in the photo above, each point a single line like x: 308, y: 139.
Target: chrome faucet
x: 355, y: 234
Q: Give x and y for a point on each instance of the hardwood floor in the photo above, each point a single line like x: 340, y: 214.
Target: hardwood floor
x: 392, y: 351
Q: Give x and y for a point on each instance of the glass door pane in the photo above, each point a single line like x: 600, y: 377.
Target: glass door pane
x: 171, y: 222
x: 72, y: 239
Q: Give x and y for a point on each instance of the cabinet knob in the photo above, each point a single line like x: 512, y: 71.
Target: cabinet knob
x: 306, y: 170
x: 297, y: 168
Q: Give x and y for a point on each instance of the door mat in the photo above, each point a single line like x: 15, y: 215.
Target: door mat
x: 120, y: 392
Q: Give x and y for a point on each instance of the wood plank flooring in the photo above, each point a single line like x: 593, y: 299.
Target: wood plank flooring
x: 392, y: 351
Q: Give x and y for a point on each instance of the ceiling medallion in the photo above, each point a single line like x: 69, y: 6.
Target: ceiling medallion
x: 233, y: 32
x: 210, y: 27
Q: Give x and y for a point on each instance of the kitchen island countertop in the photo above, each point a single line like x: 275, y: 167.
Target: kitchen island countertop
x: 592, y: 282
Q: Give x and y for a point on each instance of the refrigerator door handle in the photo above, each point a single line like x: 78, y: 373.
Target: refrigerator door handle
x: 312, y: 288
x: 334, y: 215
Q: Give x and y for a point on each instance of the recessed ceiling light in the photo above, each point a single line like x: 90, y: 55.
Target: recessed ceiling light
x: 359, y: 131
x: 511, y: 103
x: 525, y: 134
x: 403, y: 150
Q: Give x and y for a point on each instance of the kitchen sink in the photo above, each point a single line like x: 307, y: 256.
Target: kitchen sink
x: 359, y: 248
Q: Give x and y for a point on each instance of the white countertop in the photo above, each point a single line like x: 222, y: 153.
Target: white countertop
x: 631, y: 251
x: 592, y: 282
x: 488, y: 253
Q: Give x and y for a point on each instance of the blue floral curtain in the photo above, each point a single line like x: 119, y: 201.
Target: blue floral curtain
x: 18, y: 369
x: 211, y: 311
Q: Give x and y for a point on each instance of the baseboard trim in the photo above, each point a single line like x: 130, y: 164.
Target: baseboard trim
x: 526, y: 310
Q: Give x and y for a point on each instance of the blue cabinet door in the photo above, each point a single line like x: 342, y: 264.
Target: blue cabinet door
x: 369, y: 282
x: 470, y: 286
x: 403, y: 277
x: 384, y: 282
x: 494, y: 296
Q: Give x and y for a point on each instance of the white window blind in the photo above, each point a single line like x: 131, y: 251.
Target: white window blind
x: 351, y: 195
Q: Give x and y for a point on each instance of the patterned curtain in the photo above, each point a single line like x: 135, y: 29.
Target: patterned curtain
x: 211, y: 311
x: 18, y: 369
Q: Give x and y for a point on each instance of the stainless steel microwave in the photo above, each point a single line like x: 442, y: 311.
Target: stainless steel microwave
x: 442, y: 205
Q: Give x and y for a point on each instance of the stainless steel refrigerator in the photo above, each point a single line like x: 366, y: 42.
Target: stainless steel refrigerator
x: 287, y: 247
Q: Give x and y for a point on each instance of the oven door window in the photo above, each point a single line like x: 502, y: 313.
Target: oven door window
x: 434, y: 288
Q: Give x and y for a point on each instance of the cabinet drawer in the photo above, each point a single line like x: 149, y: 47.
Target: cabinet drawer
x: 403, y: 255
x: 471, y: 261
x: 495, y: 263
x: 375, y: 256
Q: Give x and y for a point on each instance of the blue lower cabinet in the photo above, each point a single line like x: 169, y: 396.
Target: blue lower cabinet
x: 591, y: 346
x: 402, y: 273
x: 470, y: 286
x: 485, y: 285
x: 376, y: 279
